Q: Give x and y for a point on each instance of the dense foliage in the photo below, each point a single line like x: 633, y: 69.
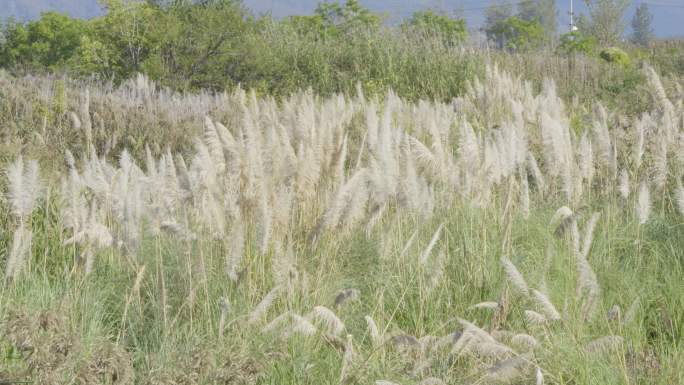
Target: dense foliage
x: 218, y: 45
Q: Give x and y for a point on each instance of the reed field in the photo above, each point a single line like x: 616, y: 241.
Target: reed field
x: 510, y: 235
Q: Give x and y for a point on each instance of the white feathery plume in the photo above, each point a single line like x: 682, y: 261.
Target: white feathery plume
x: 623, y: 184
x: 602, y: 135
x: 524, y: 341
x: 539, y: 377
x: 660, y: 169
x: 347, y: 295
x: 94, y: 232
x: 589, y: 234
x: 560, y: 217
x: 213, y: 215
x: 376, y: 338
x: 536, y: 172
x: 575, y: 237
x: 469, y: 151
x: 21, y: 245
x: 341, y: 162
x: 587, y: 284
x: 631, y: 313
x: 75, y: 121
x: 408, y: 244
x: 514, y: 276
x: 372, y: 123
x: 89, y: 260
x: 183, y: 176
x: 492, y: 349
x: 586, y: 159
x: 375, y: 217
x: 282, y: 208
x: 262, y: 308
x: 236, y: 249
x: 643, y: 208
x: 614, y: 313
x: 277, y: 323
x: 333, y: 325
x: 436, y: 272
x: 347, y: 359
x: 423, y: 155
x: 214, y: 144
x: 70, y: 160
x: 502, y: 335
x: 84, y: 110
x: 535, y: 318
x: 679, y: 196
x: 284, y: 268
x: 301, y: 325
x: 525, y: 197
x: 604, y: 344
x: 410, y: 185
x: 640, y: 134
x: 227, y: 139
x: 24, y: 187
x: 508, y: 370
x: 264, y: 224
x: 475, y: 339
x: 432, y: 381
x: 486, y: 305
x: 546, y: 306
x: 350, y: 201
x: 224, y: 306
x: 557, y: 151
x: 150, y: 163
x: 433, y: 241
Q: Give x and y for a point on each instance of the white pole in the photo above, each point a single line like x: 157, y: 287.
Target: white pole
x: 572, y: 17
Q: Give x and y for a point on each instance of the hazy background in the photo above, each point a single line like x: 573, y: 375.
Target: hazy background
x: 668, y: 14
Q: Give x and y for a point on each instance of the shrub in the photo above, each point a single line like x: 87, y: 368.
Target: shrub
x: 576, y: 42
x: 518, y: 34
x: 451, y: 31
x: 615, y: 55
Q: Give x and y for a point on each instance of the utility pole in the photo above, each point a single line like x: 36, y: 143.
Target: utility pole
x: 573, y: 27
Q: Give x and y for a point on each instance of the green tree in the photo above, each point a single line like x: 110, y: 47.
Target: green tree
x: 576, y: 42
x: 606, y: 20
x: 47, y: 42
x: 542, y: 10
x: 199, y: 44
x: 451, y: 31
x: 519, y: 35
x: 642, y: 29
x: 494, y: 15
x: 93, y: 57
x: 130, y: 31
x: 332, y: 20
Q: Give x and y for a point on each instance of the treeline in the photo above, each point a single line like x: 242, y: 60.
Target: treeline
x: 218, y: 44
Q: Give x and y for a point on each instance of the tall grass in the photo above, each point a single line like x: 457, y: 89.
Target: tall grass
x: 351, y: 239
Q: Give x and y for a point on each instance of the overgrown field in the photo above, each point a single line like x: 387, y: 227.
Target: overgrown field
x: 509, y: 236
